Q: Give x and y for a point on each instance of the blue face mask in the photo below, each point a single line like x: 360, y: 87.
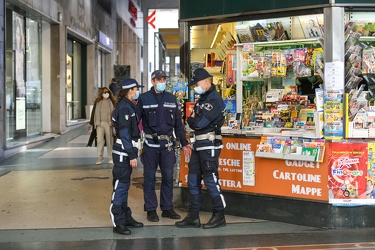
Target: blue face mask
x: 199, y: 90
x: 160, y: 87
x: 136, y: 95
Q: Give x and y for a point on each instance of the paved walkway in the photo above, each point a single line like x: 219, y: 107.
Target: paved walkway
x: 53, y: 196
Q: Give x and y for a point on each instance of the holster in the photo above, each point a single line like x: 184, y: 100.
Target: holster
x: 155, y: 138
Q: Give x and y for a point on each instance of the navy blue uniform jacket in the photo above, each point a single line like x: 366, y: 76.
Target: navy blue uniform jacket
x: 160, y: 114
x: 126, y: 122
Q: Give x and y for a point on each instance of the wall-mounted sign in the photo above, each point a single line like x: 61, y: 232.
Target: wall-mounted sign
x: 105, y: 40
x: 133, y: 10
x: 240, y: 171
x: 151, y: 19
x: 132, y: 22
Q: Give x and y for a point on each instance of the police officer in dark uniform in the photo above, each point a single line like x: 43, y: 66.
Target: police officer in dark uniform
x: 124, y: 153
x: 206, y: 120
x: 161, y: 119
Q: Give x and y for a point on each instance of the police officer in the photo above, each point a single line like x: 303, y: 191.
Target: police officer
x: 206, y: 120
x: 124, y: 153
x: 161, y: 119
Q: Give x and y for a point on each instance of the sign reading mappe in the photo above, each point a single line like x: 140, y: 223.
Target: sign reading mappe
x: 240, y: 171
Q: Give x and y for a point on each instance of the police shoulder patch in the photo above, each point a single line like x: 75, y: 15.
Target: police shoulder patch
x: 208, y: 106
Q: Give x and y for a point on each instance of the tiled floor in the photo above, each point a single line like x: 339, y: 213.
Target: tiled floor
x: 42, y: 199
x: 54, y: 196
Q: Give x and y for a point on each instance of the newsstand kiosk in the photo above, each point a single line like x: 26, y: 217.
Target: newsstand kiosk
x: 298, y: 81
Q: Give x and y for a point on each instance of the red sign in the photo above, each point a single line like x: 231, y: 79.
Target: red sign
x: 132, y: 22
x: 133, y: 10
x: 151, y: 19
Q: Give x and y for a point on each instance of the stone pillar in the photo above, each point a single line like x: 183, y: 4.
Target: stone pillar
x: 58, y: 79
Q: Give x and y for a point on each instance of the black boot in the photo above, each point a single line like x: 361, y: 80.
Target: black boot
x: 121, y: 229
x: 131, y: 222
x: 217, y: 220
x: 191, y: 220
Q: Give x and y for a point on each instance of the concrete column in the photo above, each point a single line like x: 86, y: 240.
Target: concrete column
x: 58, y: 79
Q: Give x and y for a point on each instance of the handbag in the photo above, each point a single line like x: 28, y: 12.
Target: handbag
x: 92, y: 138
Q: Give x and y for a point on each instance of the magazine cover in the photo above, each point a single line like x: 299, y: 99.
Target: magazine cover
x: 318, y: 61
x: 251, y: 63
x: 260, y: 33
x: 230, y: 106
x: 300, y: 67
x: 277, y: 31
x: 180, y: 90
x: 278, y: 63
x: 244, y: 34
x: 347, y: 174
x: 310, y: 26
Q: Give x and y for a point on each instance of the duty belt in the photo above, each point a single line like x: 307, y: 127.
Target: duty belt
x: 160, y: 137
x: 134, y: 143
x: 121, y: 154
x: 209, y: 136
x: 156, y: 139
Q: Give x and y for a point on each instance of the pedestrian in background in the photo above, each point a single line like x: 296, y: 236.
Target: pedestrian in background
x: 161, y: 119
x: 101, y: 121
x: 125, y: 153
x: 206, y: 120
x: 113, y: 87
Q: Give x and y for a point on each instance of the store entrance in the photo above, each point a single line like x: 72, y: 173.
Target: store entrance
x: 75, y: 80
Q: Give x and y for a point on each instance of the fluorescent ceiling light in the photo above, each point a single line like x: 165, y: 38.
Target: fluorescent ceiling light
x: 217, y: 33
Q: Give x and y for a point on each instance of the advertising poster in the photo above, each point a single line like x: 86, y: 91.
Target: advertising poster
x: 348, y: 180
x: 241, y: 171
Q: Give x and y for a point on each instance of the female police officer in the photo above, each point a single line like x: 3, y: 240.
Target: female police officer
x: 206, y: 121
x: 125, y: 153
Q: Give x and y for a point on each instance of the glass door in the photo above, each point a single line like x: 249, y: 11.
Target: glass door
x: 33, y: 78
x: 75, y: 80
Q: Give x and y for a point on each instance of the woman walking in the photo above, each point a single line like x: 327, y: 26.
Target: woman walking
x: 101, y: 121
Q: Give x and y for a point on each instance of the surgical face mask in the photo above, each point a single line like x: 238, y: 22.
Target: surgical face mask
x: 199, y: 90
x: 105, y: 95
x: 136, y: 95
x: 160, y: 87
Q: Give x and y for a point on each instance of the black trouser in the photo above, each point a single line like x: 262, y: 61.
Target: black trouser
x: 204, y: 165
